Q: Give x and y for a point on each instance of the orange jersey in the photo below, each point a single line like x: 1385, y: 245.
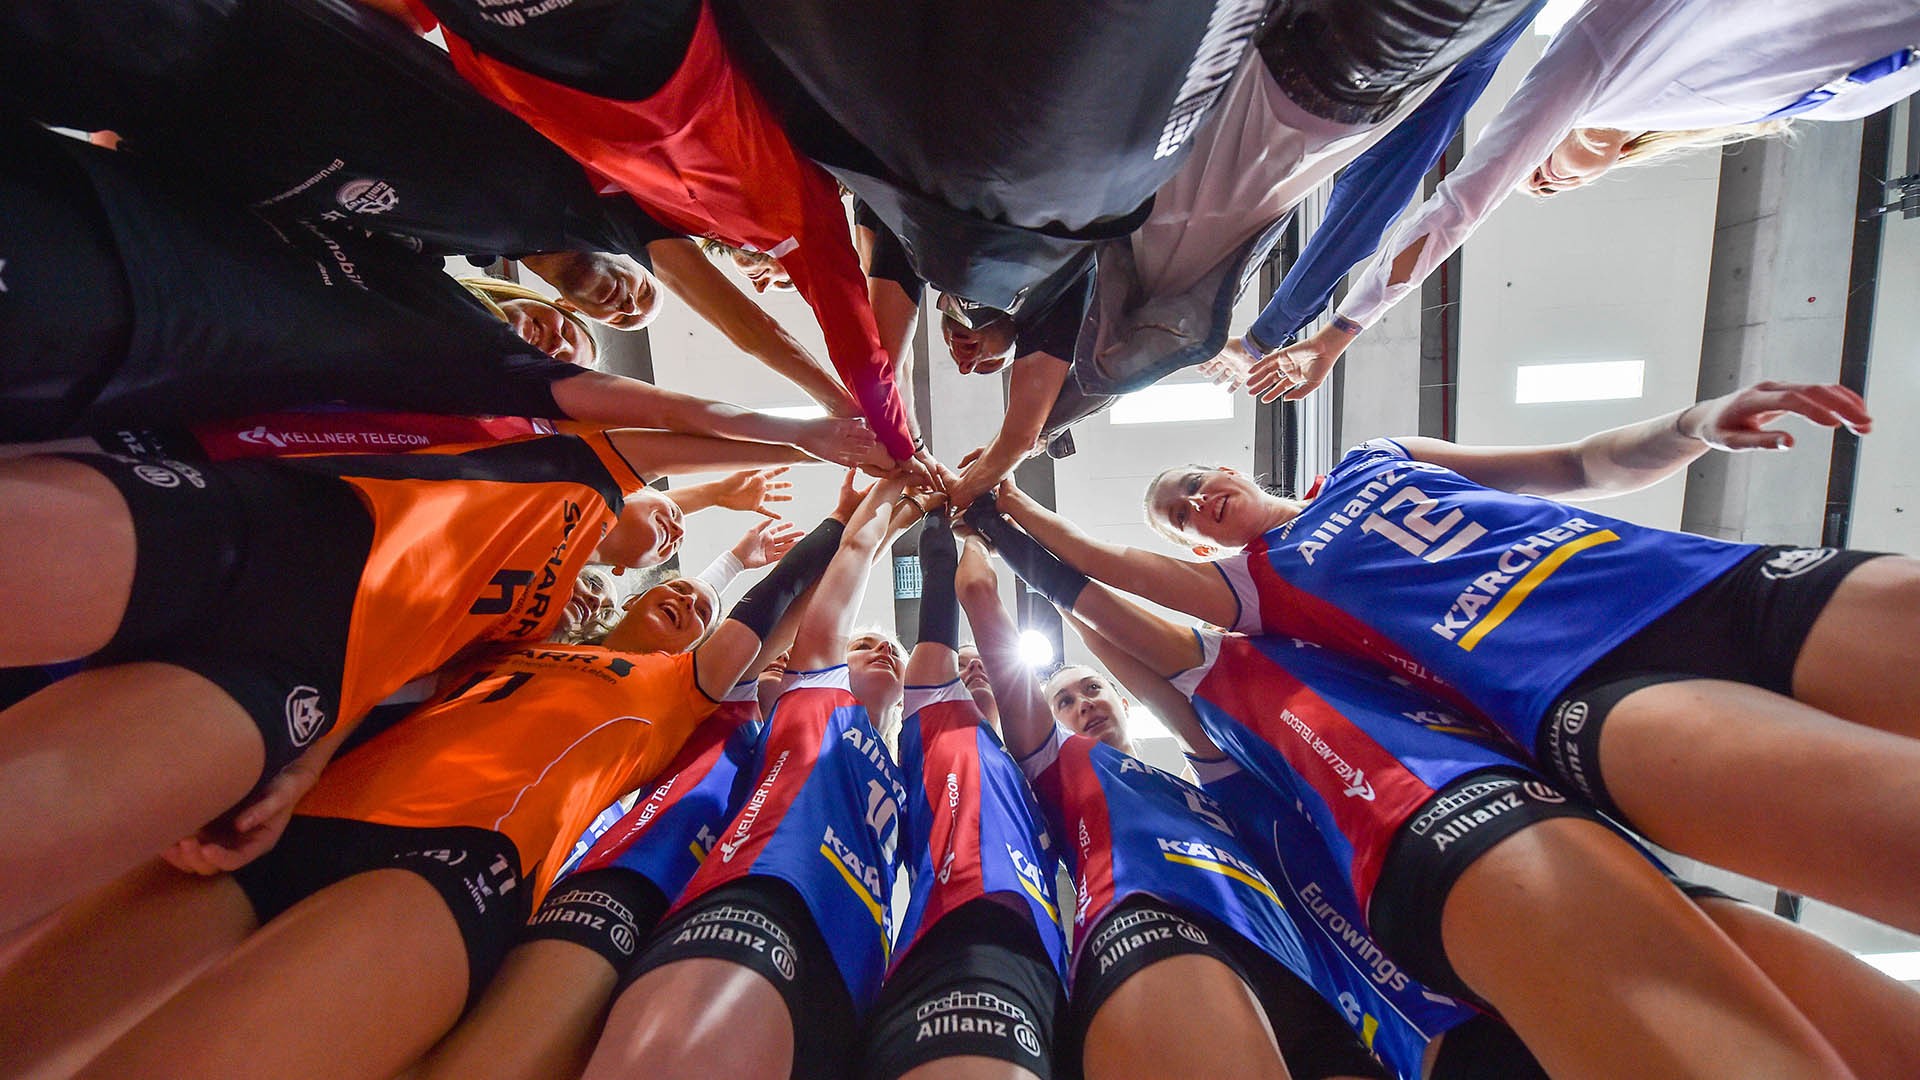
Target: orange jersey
x: 471, y: 544
x: 532, y: 743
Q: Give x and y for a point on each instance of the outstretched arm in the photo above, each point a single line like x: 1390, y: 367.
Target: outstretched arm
x: 822, y: 638
x: 1165, y: 647
x: 753, y: 623
x: 935, y: 655
x: 1181, y: 584
x: 751, y: 489
x: 1032, y: 388
x: 1025, y: 721
x: 692, y: 277
x: 1623, y: 459
x: 1152, y: 690
x: 597, y: 397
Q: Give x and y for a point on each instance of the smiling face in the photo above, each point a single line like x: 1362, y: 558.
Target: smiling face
x: 670, y: 617
x: 589, y: 608
x: 1085, y: 702
x: 1579, y: 159
x: 978, y: 352
x: 1214, y: 507
x: 648, y: 532
x: 767, y: 685
x: 548, y: 329
x: 875, y: 666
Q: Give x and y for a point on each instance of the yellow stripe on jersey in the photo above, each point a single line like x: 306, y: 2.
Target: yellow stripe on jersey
x: 1037, y: 895
x: 873, y: 907
x: 1233, y: 872
x: 1541, y: 571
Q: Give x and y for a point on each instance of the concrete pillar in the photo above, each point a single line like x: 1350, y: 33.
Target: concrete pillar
x: 1776, y: 304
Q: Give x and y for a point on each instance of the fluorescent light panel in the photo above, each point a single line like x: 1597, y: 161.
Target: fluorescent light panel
x: 1605, y: 380
x: 1179, y: 403
x: 797, y: 412
x: 1904, y: 966
x: 1554, y: 16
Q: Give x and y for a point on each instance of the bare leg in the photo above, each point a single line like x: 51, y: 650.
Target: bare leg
x: 1858, y: 660
x: 695, y: 1020
x: 99, y: 965
x: 1606, y: 970
x: 1181, y: 1017
x: 1871, y: 1019
x: 101, y: 770
x: 66, y: 561
x: 1768, y: 787
x: 357, y: 980
x: 537, y: 1019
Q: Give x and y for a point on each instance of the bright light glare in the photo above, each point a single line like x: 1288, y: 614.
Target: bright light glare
x: 1178, y: 403
x: 1035, y: 649
x: 1143, y: 724
x: 1554, y: 16
x: 797, y: 412
x: 1904, y: 966
x: 1607, y: 380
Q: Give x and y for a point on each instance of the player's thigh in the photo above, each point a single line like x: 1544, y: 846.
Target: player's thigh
x: 66, y: 560
x: 1186, y: 1015
x: 1858, y: 660
x: 698, y: 1017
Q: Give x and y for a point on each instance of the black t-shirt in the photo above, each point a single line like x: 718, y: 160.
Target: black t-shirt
x: 890, y: 262
x: 620, y: 49
x: 1055, y: 328
x: 319, y: 111
x: 225, y: 315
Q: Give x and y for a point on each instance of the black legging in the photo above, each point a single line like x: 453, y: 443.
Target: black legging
x: 1353, y: 61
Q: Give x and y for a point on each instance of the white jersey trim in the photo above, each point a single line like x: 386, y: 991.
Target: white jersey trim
x: 1045, y: 755
x: 915, y: 698
x: 1246, y: 596
x: 1188, y: 681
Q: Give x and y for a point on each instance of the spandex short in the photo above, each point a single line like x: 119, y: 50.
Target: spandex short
x: 1460, y: 823
x: 1746, y: 626
x: 609, y: 911
x: 1143, y: 930
x: 978, y: 984
x: 1483, y: 1048
x: 245, y: 574
x: 476, y: 871
x: 762, y: 924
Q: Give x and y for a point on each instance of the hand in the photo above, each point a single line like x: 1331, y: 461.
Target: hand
x: 765, y: 543
x: 753, y: 490
x: 1298, y: 370
x: 1232, y: 366
x: 849, y: 498
x: 979, y: 473
x: 842, y: 442
x: 1739, y: 420
x: 612, y: 289
x: 248, y: 831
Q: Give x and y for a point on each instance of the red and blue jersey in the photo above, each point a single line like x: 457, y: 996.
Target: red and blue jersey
x: 1361, y: 753
x: 1496, y: 599
x: 821, y: 812
x: 1130, y: 828
x: 972, y: 827
x: 1394, y: 1015
x: 668, y: 832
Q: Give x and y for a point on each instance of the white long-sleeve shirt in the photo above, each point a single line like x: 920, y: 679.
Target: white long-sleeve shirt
x: 1652, y: 65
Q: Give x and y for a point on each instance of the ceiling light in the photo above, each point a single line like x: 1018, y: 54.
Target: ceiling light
x: 1036, y: 650
x: 797, y: 412
x: 1904, y: 966
x: 1178, y: 403
x: 1554, y: 16
x: 1606, y: 380
x: 1143, y: 724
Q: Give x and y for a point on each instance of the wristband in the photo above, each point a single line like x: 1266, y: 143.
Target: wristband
x: 939, y: 559
x: 760, y: 610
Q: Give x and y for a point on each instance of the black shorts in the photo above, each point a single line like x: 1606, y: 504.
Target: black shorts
x: 1451, y: 830
x: 244, y: 573
x: 762, y: 924
x: 476, y: 871
x: 1483, y: 1048
x: 1746, y: 626
x: 980, y: 983
x: 1143, y: 930
x: 608, y: 911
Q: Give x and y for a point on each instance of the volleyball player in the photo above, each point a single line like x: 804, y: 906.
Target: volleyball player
x: 978, y: 966
x: 1444, y: 563
x: 778, y: 943
x: 241, y: 617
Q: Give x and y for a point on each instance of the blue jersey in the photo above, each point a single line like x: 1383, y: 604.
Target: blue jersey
x: 822, y: 813
x: 1359, y: 752
x: 1500, y: 599
x: 1394, y: 1015
x: 972, y: 827
x: 668, y: 833
x: 1131, y: 828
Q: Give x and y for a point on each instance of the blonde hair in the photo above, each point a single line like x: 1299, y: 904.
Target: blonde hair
x: 491, y: 290
x: 1650, y: 145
